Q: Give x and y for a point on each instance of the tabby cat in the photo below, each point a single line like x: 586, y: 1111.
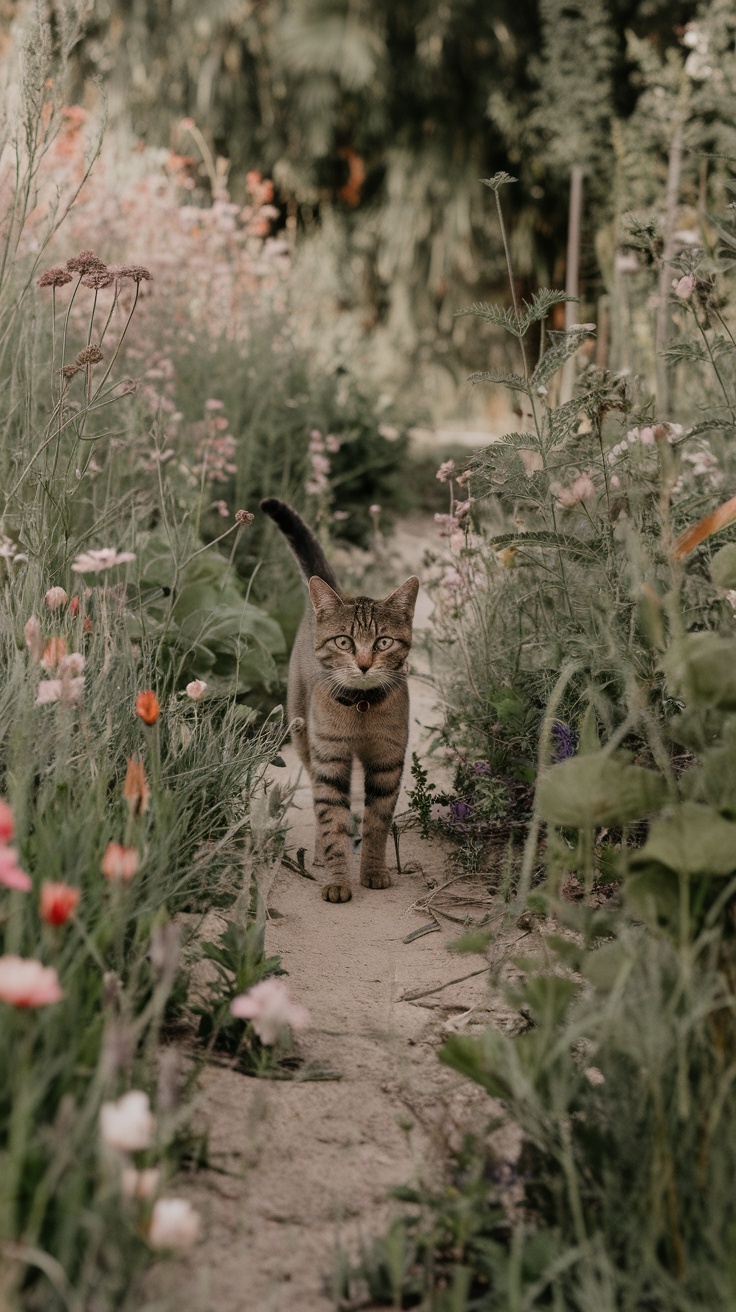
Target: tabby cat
x: 348, y: 698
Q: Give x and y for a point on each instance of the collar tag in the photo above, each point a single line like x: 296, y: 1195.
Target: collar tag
x: 362, y: 707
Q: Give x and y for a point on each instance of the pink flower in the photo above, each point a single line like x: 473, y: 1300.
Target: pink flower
x: 11, y: 876
x: 213, y: 404
x: 445, y: 471
x: 34, y: 638
x: 581, y: 490
x: 94, y: 562
x: 27, y: 983
x: 119, y: 863
x: 332, y: 444
x: 196, y: 689
x: 270, y: 1009
x: 685, y: 287
x: 128, y: 1125
x: 58, y: 902
x: 140, y: 1184
x: 7, y: 824
x: 174, y: 1224
x: 374, y: 511
x: 66, y: 690
x: 55, y: 597
x: 646, y: 436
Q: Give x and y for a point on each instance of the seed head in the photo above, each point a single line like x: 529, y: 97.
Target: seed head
x: 98, y: 278
x: 85, y: 262
x: 69, y: 370
x: 134, y: 271
x: 244, y: 517
x: 56, y: 277
x: 90, y: 355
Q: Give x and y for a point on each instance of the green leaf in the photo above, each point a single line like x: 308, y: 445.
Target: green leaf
x: 593, y: 790
x: 723, y: 566
x: 604, y: 966
x: 495, y: 314
x: 562, y: 346
x: 539, y: 307
x: 498, y: 180
x: 701, y: 667
x: 514, y: 382
x: 695, y: 840
x: 481, y: 1060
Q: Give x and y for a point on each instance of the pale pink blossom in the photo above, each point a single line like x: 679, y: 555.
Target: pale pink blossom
x: 34, y: 638
x: 11, y: 875
x: 174, y: 1224
x: 685, y: 287
x: 94, y: 562
x: 213, y: 404
x: 332, y: 444
x: 71, y: 665
x: 56, y: 597
x: 140, y: 1184
x: 66, y: 690
x: 119, y: 864
x: 447, y: 525
x: 593, y: 1075
x: 581, y: 490
x: 374, y: 511
x: 270, y: 1009
x: 445, y: 471
x: 128, y: 1125
x: 196, y: 689
x: 27, y: 983
x: 646, y: 436
x: 615, y: 482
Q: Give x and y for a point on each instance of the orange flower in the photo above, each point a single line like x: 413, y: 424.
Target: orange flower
x: 54, y: 650
x: 147, y: 707
x: 58, y: 901
x: 135, y: 788
x: 719, y: 518
x: 119, y: 863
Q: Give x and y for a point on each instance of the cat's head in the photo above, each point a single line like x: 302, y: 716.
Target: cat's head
x: 363, y: 643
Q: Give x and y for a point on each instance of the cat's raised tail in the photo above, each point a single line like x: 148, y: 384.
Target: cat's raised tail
x: 307, y: 550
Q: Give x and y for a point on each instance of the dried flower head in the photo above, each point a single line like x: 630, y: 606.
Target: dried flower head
x: 54, y: 278
x: 135, y: 789
x: 69, y: 370
x: 85, y: 262
x: 244, y: 517
x: 147, y: 706
x: 58, y: 901
x: 90, y: 355
x: 98, y: 278
x: 134, y: 271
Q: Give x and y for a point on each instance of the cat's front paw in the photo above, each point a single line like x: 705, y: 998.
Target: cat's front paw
x: 337, y: 891
x: 376, y: 879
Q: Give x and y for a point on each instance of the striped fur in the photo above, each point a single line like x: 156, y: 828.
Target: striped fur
x: 348, y: 700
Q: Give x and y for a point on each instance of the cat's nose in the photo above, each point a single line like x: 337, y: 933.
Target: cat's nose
x: 363, y: 665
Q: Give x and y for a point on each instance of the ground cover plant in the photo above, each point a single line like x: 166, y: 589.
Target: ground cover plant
x: 131, y: 765
x: 621, y: 1067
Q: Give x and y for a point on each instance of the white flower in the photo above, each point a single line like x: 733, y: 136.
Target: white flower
x: 128, y: 1124
x: 174, y: 1224
x: 196, y: 689
x: 9, y: 551
x: 71, y: 664
x: 94, y: 562
x: 34, y: 638
x: 66, y: 690
x: 593, y: 1075
x: 270, y: 1009
x: 140, y: 1184
x: 56, y: 597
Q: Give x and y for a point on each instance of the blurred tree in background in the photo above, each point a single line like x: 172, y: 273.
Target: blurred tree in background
x: 376, y: 121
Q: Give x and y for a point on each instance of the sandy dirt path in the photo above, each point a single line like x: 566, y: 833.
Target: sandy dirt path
x: 302, y: 1167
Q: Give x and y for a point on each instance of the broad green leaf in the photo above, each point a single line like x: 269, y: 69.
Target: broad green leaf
x: 593, y: 790
x: 695, y: 840
x: 701, y: 667
x: 652, y: 895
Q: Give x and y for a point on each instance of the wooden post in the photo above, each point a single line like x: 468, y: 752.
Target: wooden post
x: 572, y: 275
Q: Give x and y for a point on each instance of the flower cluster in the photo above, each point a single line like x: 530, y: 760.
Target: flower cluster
x: 127, y: 1127
x: 215, y: 453
x: 320, y: 450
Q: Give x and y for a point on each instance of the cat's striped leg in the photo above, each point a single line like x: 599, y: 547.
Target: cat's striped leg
x: 331, y: 770
x: 382, y: 783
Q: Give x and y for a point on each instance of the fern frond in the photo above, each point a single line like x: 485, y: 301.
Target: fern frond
x: 496, y: 314
x: 514, y: 382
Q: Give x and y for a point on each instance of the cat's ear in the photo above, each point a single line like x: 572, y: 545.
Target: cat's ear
x: 322, y: 596
x: 404, y: 596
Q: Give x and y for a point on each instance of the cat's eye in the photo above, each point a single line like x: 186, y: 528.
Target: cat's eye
x: 383, y: 644
x: 345, y: 644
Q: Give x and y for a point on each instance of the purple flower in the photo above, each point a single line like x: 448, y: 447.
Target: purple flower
x: 460, y: 810
x: 482, y: 767
x: 565, y: 740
